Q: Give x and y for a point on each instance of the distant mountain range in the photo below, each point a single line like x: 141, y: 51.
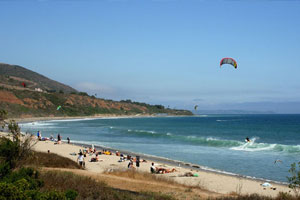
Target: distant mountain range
x: 201, y: 112
x: 24, y: 93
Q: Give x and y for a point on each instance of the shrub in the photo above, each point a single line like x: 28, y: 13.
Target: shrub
x: 52, y: 195
x: 27, y: 178
x: 71, y: 194
x: 13, y: 152
x: 9, y: 191
x: 294, y: 179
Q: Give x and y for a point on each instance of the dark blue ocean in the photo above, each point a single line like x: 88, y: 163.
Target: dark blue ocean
x: 216, y: 142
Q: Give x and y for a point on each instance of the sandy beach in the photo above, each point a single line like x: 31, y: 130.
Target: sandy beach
x: 211, y: 181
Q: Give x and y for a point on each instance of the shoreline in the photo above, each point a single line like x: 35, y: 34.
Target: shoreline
x: 37, y: 119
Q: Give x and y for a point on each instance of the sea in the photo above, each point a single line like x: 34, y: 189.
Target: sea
x: 213, y: 142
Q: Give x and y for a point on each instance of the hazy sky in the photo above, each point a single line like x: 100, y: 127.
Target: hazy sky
x: 162, y: 51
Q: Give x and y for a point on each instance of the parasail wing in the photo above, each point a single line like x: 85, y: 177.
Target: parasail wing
x: 230, y: 61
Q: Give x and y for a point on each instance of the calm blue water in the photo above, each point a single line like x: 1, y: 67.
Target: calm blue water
x: 214, y: 141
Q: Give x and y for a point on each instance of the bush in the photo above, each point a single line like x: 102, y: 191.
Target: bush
x: 10, y: 191
x: 294, y: 179
x: 52, y: 195
x: 71, y: 194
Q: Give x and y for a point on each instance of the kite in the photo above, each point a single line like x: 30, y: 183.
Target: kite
x: 59, y: 107
x: 196, y: 106
x: 230, y: 61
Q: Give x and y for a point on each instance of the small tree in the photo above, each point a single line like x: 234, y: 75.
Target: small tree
x: 294, y: 179
x: 12, y: 152
x: 3, y: 115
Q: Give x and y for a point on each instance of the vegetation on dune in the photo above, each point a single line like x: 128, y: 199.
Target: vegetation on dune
x: 17, y: 182
x: 41, y: 159
x: 281, y: 196
x: 88, y: 188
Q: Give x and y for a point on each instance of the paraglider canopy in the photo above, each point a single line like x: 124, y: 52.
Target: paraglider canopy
x: 230, y: 61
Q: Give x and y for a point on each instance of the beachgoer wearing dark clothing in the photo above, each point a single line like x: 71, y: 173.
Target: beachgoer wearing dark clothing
x: 68, y: 140
x: 153, y: 169
x: 137, y: 162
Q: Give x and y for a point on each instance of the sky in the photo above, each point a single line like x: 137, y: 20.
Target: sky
x: 162, y: 51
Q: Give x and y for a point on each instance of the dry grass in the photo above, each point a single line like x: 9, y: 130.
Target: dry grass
x: 89, y: 188
x: 281, y: 196
x: 40, y: 159
x: 139, y: 181
x: 133, y: 174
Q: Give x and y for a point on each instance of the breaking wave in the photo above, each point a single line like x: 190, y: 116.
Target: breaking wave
x: 219, y: 142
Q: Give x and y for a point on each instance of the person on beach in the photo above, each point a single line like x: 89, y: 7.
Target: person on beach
x: 39, y: 135
x: 58, y: 139
x: 68, y: 140
x: 95, y: 159
x: 80, y: 159
x: 153, y: 169
x: 130, y: 164
x: 137, y: 161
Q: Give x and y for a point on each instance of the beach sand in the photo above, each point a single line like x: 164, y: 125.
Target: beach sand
x: 211, y: 181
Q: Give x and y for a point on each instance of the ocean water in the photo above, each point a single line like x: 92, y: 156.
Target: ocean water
x: 216, y: 142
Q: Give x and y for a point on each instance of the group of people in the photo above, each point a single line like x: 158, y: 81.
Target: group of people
x: 51, y: 138
x: 131, y: 160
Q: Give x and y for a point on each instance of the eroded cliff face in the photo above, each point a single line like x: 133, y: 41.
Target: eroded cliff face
x: 9, y: 97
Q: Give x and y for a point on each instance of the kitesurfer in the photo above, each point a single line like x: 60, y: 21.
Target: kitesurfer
x: 247, y: 139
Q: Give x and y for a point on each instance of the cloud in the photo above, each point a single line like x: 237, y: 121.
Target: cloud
x: 198, y: 99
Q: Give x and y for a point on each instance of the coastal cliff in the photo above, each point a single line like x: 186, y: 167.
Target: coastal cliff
x: 34, y: 95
